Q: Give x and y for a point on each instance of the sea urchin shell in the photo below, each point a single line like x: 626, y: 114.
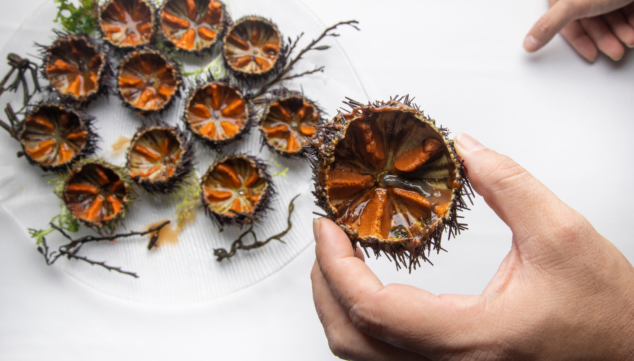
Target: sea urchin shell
x: 54, y: 136
x: 217, y: 113
x: 75, y: 66
x: 390, y: 179
x: 159, y: 158
x: 193, y: 25
x: 289, y: 123
x: 127, y: 23
x: 148, y: 81
x: 97, y: 193
x: 238, y: 183
x: 252, y: 47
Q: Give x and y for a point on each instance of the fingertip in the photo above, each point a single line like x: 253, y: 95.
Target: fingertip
x: 464, y: 143
x: 531, y: 44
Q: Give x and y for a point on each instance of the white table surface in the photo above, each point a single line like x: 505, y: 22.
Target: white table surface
x: 568, y: 122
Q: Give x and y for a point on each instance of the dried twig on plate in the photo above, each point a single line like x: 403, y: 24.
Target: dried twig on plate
x: 222, y: 253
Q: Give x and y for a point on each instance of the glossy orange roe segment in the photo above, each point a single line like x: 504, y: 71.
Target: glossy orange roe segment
x: 229, y: 174
x: 414, y: 158
x: 127, y: 22
x: 370, y: 220
x: 343, y: 184
x: 413, y: 198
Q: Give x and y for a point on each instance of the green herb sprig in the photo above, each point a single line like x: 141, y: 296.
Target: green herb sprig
x: 77, y: 19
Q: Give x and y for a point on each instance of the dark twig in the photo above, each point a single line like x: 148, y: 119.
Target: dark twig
x: 289, y: 64
x: 22, y: 65
x: 222, y: 253
x: 71, y: 249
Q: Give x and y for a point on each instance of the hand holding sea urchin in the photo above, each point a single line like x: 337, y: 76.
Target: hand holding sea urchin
x: 390, y: 179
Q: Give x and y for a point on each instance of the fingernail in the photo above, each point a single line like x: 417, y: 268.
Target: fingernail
x: 530, y: 43
x: 316, y: 225
x: 468, y: 143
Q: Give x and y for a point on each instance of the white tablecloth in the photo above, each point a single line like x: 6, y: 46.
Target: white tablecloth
x: 568, y: 122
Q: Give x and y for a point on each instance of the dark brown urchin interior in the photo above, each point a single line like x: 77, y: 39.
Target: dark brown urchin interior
x: 127, y: 23
x: 193, y: 25
x: 390, y: 179
x: 75, y: 66
x: 147, y: 81
x: 217, y: 112
x: 289, y: 123
x: 252, y: 46
x: 96, y: 194
x: 158, y: 158
x: 54, y: 137
x: 236, y: 184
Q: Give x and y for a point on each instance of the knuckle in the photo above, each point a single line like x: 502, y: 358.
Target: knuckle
x: 569, y: 227
x: 363, y: 317
x: 505, y: 175
x: 338, y: 343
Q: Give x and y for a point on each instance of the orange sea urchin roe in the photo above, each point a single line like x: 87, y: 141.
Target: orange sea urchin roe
x: 147, y: 81
x: 252, y: 46
x: 127, y: 22
x: 217, y: 111
x: 289, y: 124
x: 391, y: 178
x: 53, y: 136
x: 155, y: 155
x: 74, y: 67
x: 95, y: 194
x: 235, y: 184
x: 192, y: 24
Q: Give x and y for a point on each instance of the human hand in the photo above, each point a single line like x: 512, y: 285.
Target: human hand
x: 586, y: 25
x: 563, y: 292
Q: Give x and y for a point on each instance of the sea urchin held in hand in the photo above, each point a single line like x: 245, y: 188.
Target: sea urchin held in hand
x: 236, y: 190
x: 390, y: 179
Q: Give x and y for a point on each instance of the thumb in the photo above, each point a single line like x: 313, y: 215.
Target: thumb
x: 559, y: 15
x: 526, y: 205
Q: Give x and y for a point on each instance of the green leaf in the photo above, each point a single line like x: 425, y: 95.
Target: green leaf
x: 80, y: 19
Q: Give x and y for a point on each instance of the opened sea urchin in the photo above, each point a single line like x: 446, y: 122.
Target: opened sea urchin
x: 390, y: 179
x: 75, y: 67
x: 159, y: 158
x: 97, y: 193
x: 236, y: 190
x: 54, y: 136
x: 217, y: 113
x: 148, y: 81
x: 252, y: 47
x: 193, y: 25
x: 289, y: 123
x: 127, y: 23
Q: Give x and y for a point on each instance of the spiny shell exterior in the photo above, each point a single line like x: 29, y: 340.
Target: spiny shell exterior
x: 322, y: 154
x: 184, y: 168
x: 263, y: 205
x: 86, y: 121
